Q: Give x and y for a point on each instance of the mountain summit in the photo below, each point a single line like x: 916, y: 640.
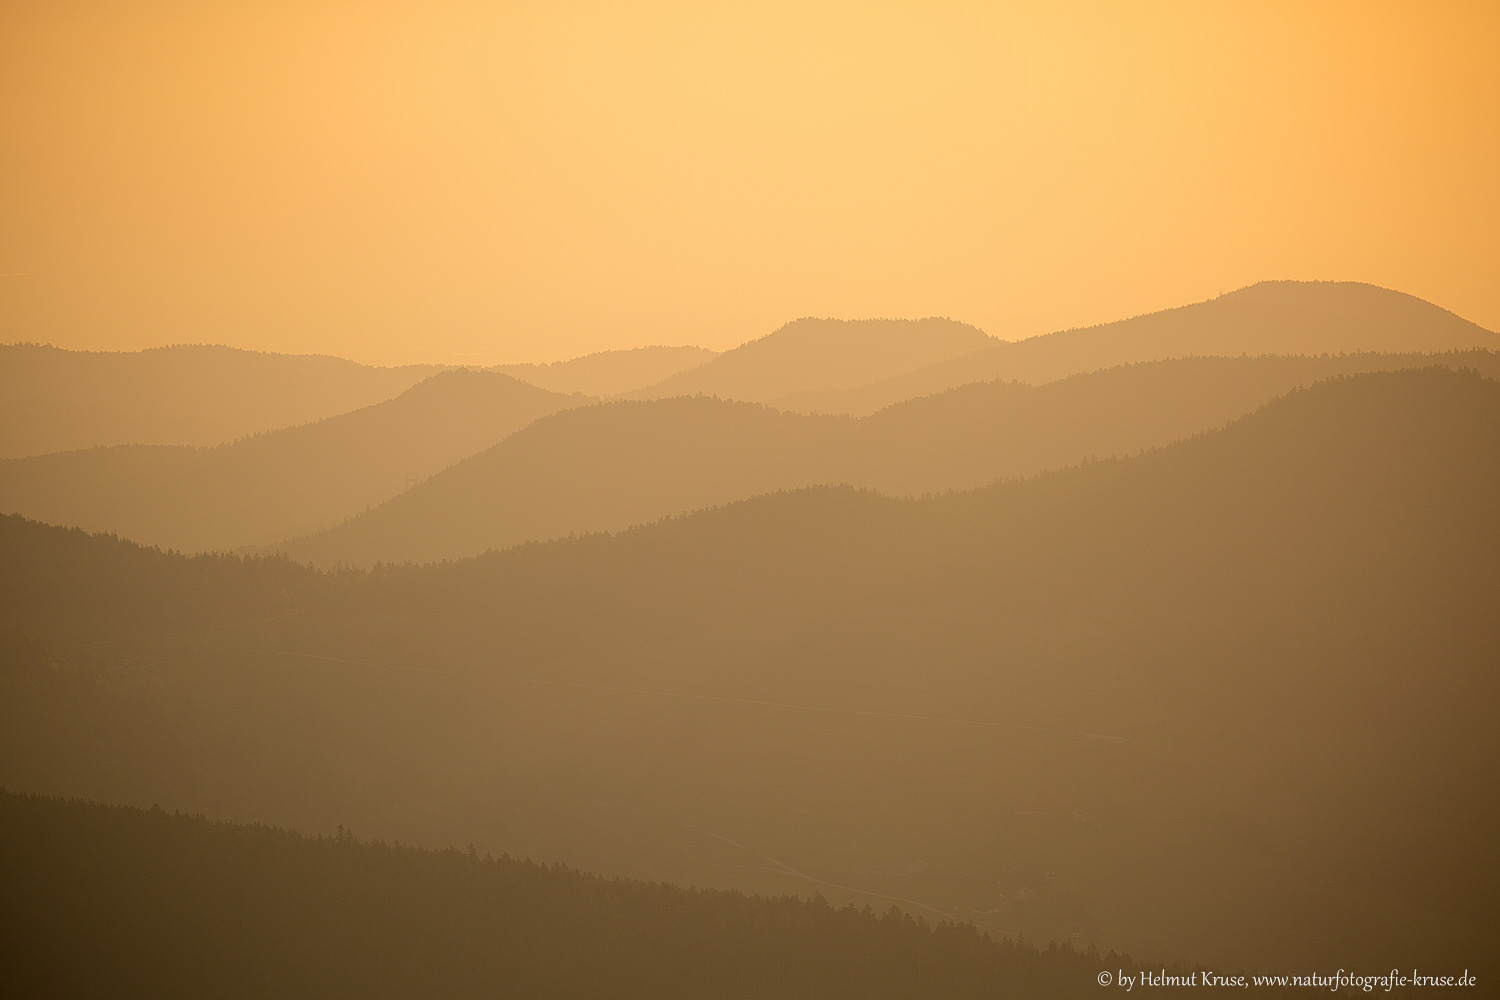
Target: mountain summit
x: 815, y: 354
x: 1272, y: 317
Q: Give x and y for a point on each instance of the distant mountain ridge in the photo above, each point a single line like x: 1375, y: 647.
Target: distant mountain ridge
x: 610, y: 466
x: 269, y: 485
x: 609, y: 373
x: 57, y: 400
x: 203, y: 395
x: 720, y: 453
x: 822, y: 354
x: 200, y: 395
x: 1271, y: 317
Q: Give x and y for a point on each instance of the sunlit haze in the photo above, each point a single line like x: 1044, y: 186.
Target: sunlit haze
x: 820, y: 501
x: 483, y: 183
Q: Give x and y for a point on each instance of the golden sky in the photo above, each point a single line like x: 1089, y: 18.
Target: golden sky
x: 512, y: 181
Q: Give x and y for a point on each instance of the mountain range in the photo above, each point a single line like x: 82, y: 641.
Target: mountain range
x: 1271, y: 317
x: 54, y: 400
x: 608, y: 467
x: 1163, y: 702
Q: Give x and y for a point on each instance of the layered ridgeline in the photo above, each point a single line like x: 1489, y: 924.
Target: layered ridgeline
x: 1232, y: 700
x: 56, y: 400
x: 609, y: 373
x: 266, y: 487
x: 823, y: 355
x: 116, y: 901
x: 605, y: 468
x: 1272, y: 317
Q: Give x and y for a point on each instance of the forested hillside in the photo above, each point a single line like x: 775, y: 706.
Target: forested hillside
x: 1161, y: 703
x: 118, y: 901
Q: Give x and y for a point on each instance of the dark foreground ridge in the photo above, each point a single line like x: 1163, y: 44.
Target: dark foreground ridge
x: 120, y: 901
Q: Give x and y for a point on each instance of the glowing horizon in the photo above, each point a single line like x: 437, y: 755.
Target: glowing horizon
x: 397, y: 183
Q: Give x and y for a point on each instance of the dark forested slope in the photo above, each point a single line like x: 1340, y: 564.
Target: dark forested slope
x: 115, y: 901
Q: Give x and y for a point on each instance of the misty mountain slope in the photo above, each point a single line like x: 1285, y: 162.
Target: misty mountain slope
x: 609, y: 467
x: 1161, y: 703
x: 57, y: 400
x: 1290, y: 615
x: 818, y: 354
x: 1342, y: 458
x: 609, y: 373
x: 977, y: 433
x: 594, y: 468
x: 278, y: 483
x: 1272, y: 317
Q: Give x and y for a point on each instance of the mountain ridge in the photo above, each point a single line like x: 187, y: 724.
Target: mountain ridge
x: 612, y: 372
x: 273, y: 483
x: 821, y: 353
x: 1268, y: 317
x: 53, y: 399
x: 607, y: 467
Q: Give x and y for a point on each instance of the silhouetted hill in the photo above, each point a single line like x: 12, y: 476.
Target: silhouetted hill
x: 609, y: 373
x: 605, y: 468
x: 117, y: 901
x: 1272, y: 317
x: 820, y: 354
x: 57, y: 400
x: 275, y: 484
x: 1233, y: 700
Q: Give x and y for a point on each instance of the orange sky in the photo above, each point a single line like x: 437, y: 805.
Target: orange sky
x: 505, y: 181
